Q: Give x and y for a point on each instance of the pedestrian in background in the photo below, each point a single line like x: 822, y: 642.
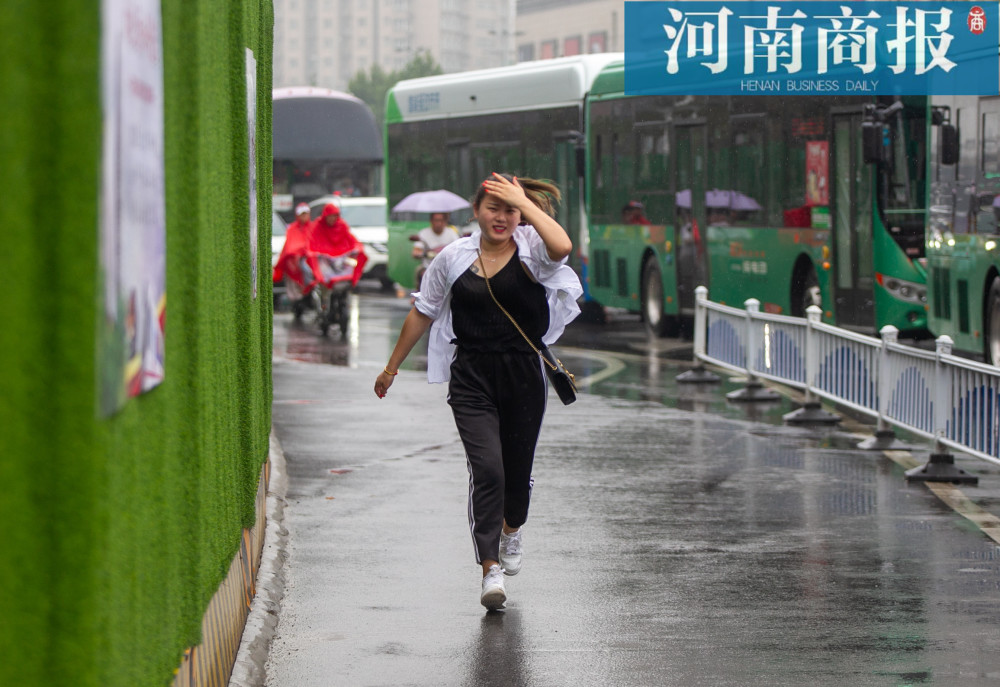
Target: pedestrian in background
x: 497, y: 387
x: 634, y: 212
x: 430, y: 241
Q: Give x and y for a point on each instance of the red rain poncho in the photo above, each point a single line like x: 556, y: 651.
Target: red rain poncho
x: 296, y: 247
x: 336, y: 240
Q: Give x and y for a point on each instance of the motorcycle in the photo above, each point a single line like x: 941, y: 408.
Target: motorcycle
x: 330, y: 295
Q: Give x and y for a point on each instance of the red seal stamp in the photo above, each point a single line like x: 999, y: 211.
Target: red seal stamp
x: 977, y: 20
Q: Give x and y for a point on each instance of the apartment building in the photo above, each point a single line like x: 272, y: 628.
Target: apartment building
x: 559, y: 28
x: 326, y: 42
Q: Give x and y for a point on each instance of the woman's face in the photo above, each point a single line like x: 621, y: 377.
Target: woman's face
x: 497, y: 219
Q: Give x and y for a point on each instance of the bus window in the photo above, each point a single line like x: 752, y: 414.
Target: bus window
x: 990, y: 143
x: 615, y: 153
x: 459, y: 163
x: 748, y: 162
x: 598, y: 162
x: 652, y: 144
x: 902, y: 198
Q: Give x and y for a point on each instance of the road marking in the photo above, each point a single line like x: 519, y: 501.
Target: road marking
x: 953, y: 497
x: 612, y: 365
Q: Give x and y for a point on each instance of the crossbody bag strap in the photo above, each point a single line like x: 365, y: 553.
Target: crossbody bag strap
x: 509, y: 317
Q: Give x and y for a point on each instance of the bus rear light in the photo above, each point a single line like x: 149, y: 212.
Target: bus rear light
x: 826, y: 265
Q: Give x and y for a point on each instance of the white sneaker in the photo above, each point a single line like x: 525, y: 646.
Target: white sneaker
x: 510, y: 552
x: 494, y: 595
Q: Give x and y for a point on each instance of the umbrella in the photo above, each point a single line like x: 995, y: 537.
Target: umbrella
x: 432, y: 201
x: 734, y: 200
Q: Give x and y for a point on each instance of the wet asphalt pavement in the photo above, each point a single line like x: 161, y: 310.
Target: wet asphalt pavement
x: 673, y: 538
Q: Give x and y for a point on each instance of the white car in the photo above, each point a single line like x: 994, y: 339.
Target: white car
x: 366, y: 216
x: 278, y: 229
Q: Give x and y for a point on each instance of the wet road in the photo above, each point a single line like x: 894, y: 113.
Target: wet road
x: 674, y: 538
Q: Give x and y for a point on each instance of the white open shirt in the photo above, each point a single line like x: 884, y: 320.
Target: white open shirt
x: 562, y: 289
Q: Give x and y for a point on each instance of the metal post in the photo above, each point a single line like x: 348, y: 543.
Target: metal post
x: 699, y: 374
x: 885, y: 438
x: 941, y: 467
x: 754, y: 390
x: 942, y: 391
x: 700, y: 321
x: 811, y: 412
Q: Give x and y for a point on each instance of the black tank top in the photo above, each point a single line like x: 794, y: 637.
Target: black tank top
x: 481, y: 326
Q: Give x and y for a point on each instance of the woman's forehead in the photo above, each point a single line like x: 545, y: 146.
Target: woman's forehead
x: 496, y: 203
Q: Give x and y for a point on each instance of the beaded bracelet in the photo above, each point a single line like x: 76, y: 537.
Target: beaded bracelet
x: 391, y: 374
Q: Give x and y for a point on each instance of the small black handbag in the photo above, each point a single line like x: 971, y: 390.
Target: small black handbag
x: 562, y: 380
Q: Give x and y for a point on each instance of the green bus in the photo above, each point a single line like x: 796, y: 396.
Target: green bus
x: 753, y: 196
x: 451, y: 131
x: 758, y: 196
x: 963, y: 241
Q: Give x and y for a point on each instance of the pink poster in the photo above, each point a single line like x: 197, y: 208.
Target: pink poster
x: 817, y: 173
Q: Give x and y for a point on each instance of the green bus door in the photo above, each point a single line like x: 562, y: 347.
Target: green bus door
x: 851, y: 222
x: 689, y: 210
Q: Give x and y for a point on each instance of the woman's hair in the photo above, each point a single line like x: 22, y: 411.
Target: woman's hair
x: 544, y: 194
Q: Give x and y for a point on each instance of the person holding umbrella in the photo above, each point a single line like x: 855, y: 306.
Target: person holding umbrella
x: 511, y: 269
x: 430, y: 241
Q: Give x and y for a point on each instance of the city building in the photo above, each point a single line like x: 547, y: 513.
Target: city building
x: 559, y: 28
x: 326, y: 42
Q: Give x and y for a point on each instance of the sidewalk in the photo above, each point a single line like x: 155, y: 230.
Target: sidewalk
x: 664, y: 547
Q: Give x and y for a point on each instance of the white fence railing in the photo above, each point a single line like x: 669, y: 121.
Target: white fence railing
x: 953, y: 401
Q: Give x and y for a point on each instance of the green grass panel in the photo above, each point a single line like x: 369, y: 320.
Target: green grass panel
x: 25, y: 602
x: 121, y: 529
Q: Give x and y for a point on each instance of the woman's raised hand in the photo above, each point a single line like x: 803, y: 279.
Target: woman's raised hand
x: 509, y: 192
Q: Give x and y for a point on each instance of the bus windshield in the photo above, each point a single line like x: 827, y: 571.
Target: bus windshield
x: 902, y: 191
x: 323, y: 142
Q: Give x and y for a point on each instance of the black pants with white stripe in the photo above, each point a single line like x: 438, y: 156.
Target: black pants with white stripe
x: 498, y: 400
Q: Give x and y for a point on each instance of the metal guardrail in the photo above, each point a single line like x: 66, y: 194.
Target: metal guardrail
x: 933, y: 394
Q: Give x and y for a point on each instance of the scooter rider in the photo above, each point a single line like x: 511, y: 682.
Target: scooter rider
x: 296, y: 265
x: 331, y: 240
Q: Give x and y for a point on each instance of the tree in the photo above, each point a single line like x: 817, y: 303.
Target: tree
x: 373, y: 85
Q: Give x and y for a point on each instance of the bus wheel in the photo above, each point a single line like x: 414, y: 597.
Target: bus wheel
x: 652, y: 301
x: 991, y: 347
x: 807, y: 293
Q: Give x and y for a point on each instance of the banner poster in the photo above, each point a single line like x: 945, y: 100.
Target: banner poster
x: 251, y: 74
x: 817, y: 173
x: 132, y: 232
x: 812, y: 48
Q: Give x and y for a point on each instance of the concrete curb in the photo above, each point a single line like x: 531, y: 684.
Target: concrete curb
x: 248, y: 671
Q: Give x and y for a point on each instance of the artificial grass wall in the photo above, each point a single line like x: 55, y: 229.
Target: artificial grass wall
x: 117, y: 531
